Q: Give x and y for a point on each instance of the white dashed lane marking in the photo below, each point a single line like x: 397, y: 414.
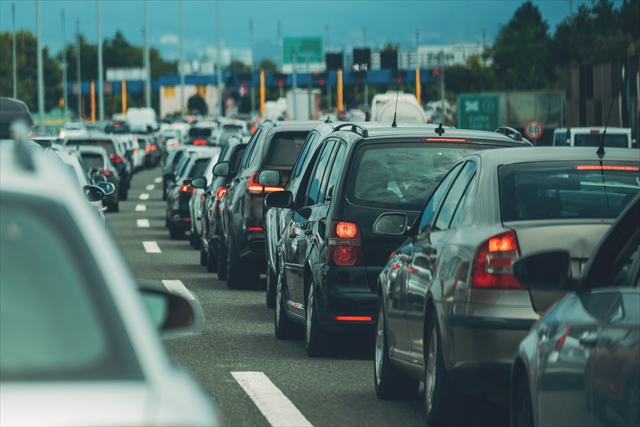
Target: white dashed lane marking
x: 274, y: 405
x: 157, y: 180
x: 144, y: 196
x: 177, y: 287
x: 141, y: 208
x: 151, y: 247
x: 150, y: 187
x: 143, y: 223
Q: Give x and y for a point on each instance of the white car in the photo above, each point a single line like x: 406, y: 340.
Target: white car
x: 195, y: 211
x: 78, y: 343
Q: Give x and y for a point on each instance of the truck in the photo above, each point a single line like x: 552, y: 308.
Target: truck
x: 143, y: 118
x: 403, y: 106
x: 306, y: 105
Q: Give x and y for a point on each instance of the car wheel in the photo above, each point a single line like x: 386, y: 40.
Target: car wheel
x: 285, y: 329
x: 235, y: 277
x: 522, y: 406
x: 441, y: 399
x: 316, y: 339
x: 166, y: 222
x: 389, y: 382
x: 212, y: 259
x: 633, y: 402
x: 222, y: 259
x: 271, y: 287
x: 175, y: 233
x: 115, y: 207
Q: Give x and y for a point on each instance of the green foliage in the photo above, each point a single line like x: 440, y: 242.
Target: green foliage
x: 473, y: 76
x: 268, y: 66
x: 238, y: 67
x: 390, y: 47
x: 196, y: 103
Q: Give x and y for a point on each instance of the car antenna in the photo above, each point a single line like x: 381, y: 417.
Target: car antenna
x: 394, y: 124
x: 601, y: 152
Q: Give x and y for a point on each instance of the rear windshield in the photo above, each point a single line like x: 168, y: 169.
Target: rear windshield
x: 106, y: 144
x: 93, y: 161
x: 593, y: 140
x: 198, y: 168
x: 203, y: 132
x: 559, y: 190
x: 284, y: 148
x: 400, y: 175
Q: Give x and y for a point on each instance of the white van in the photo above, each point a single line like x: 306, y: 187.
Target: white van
x: 591, y: 136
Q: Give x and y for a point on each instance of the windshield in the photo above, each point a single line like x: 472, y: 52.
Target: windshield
x: 593, y: 140
x: 106, y: 144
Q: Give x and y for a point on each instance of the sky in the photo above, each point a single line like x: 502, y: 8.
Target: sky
x: 342, y: 24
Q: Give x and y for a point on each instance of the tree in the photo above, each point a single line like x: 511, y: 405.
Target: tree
x: 473, y: 76
x: 520, y: 58
x: 268, y: 66
x: 390, y: 47
x: 238, y: 67
x: 197, y: 105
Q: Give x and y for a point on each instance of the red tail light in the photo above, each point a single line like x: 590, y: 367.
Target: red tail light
x: 353, y: 318
x: 187, y: 189
x: 607, y: 168
x: 345, y: 244
x: 202, y: 197
x: 255, y: 229
x: 147, y: 148
x: 200, y: 142
x: 174, y: 144
x: 220, y: 192
x: 115, y: 158
x: 153, y: 147
x: 135, y: 151
x: 106, y: 172
x: 492, y: 265
x: 254, y: 187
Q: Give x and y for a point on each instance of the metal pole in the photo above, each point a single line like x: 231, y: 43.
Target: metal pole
x: 442, y: 83
x: 310, y: 115
x: 182, y: 106
x: 78, y: 71
x: 40, y: 72
x: 13, y: 33
x: 220, y: 83
x: 147, y: 60
x: 253, y: 93
x: 64, y: 70
x: 100, y: 71
x: 294, y: 89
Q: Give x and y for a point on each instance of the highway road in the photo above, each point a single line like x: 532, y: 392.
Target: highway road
x: 255, y: 379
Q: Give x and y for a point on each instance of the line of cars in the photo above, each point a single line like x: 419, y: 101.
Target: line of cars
x: 410, y: 232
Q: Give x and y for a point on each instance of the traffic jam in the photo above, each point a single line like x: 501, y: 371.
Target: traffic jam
x: 381, y: 264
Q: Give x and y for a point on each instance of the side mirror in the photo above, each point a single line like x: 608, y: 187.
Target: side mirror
x: 546, y: 271
x: 200, y: 182
x: 222, y: 169
x: 279, y: 199
x: 270, y: 178
x: 93, y: 193
x: 107, y: 187
x: 169, y: 311
x: 391, y: 224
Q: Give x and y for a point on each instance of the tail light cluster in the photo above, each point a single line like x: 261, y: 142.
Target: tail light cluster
x: 187, y: 189
x: 492, y: 265
x: 115, y: 158
x: 220, y: 192
x: 345, y: 245
x: 106, y: 172
x: 254, y: 187
x: 147, y: 148
x: 200, y: 142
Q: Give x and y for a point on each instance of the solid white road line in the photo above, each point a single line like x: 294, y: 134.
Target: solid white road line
x: 143, y: 223
x: 150, y: 187
x: 144, y: 196
x: 141, y: 208
x: 157, y: 180
x: 151, y: 247
x: 274, y: 405
x: 176, y: 286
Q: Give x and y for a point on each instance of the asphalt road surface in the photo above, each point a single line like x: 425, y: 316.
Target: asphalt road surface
x: 255, y: 379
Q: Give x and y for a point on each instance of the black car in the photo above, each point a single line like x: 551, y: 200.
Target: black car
x: 272, y: 146
x: 202, y: 134
x: 210, y: 215
x: 170, y: 166
x: 329, y: 255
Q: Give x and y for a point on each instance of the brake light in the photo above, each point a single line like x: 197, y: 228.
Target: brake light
x: 492, y: 266
x: 187, y: 189
x: 254, y: 187
x: 153, y: 147
x: 220, y: 192
x: 434, y: 139
x: 106, y: 172
x: 607, y: 168
x: 135, y: 151
x: 594, y: 132
x: 147, y: 148
x: 115, y: 158
x: 255, y: 229
x: 174, y: 144
x: 203, y: 197
x: 353, y: 318
x: 345, y: 244
x: 200, y: 142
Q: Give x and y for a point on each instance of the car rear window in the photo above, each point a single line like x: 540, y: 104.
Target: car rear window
x: 400, y: 175
x: 93, y: 161
x: 284, y: 148
x: 106, y: 144
x: 593, y: 140
x: 200, y: 132
x: 559, y: 190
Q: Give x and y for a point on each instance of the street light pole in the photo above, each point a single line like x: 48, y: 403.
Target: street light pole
x: 100, y: 71
x: 253, y: 94
x: 219, y: 55
x: 64, y: 70
x: 182, y: 106
x: 147, y: 65
x: 15, y: 72
x: 40, y: 71
x: 78, y: 71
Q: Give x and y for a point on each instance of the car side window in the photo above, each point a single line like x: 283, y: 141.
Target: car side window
x: 336, y: 171
x: 314, y: 195
x: 434, y: 201
x: 250, y: 148
x: 467, y: 198
x: 452, y: 199
x: 620, y: 275
x: 297, y: 168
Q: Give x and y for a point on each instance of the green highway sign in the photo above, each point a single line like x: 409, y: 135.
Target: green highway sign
x: 479, y: 111
x: 306, y: 49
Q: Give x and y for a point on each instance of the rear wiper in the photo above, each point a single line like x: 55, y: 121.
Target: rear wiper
x: 601, y: 152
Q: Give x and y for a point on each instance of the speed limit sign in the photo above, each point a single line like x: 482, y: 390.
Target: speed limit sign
x: 533, y: 129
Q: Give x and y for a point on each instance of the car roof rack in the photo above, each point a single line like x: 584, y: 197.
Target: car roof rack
x: 354, y: 128
x: 511, y: 133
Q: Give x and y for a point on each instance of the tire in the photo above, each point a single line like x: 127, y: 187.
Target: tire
x: 522, y: 406
x: 175, y: 233
x: 236, y: 279
x: 442, y: 402
x: 284, y: 328
x: 212, y: 259
x: 270, y: 292
x: 389, y: 382
x: 197, y: 243
x: 316, y: 339
x: 222, y: 259
x: 203, y: 257
x: 115, y: 207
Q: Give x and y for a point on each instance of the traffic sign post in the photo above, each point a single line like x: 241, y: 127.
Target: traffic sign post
x: 479, y: 111
x: 533, y: 129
